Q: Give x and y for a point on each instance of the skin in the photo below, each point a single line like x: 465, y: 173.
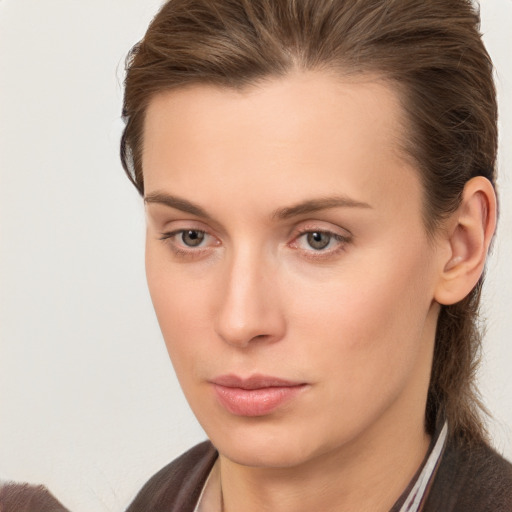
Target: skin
x: 354, y: 321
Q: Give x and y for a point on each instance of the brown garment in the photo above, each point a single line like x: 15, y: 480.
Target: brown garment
x: 467, y: 480
x: 16, y: 497
x: 471, y: 480
x: 176, y: 487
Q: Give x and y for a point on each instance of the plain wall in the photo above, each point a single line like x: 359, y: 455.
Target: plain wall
x: 89, y: 404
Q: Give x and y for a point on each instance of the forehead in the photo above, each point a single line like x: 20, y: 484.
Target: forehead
x: 304, y: 133
x: 295, y: 105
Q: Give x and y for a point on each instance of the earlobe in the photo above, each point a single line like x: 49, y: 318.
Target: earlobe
x: 470, y: 231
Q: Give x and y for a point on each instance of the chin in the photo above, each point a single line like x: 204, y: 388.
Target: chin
x: 266, y: 456
x: 261, y: 446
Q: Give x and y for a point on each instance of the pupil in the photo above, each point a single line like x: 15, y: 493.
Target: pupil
x: 192, y: 238
x: 318, y: 240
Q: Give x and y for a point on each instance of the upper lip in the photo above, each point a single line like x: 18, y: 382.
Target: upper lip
x: 253, y: 382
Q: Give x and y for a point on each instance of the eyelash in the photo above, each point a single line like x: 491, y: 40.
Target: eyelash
x: 179, y: 251
x: 311, y: 254
x: 317, y: 255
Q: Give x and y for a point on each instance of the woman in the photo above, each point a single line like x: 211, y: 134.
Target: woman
x: 319, y: 186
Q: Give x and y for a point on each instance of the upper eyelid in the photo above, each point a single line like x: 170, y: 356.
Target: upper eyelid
x: 311, y: 229
x: 161, y: 216
x: 174, y: 232
x: 180, y: 225
x: 315, y: 226
x: 218, y: 230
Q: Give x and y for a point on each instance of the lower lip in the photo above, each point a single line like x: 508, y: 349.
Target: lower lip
x: 255, y: 402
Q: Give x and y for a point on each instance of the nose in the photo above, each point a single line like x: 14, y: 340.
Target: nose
x: 249, y: 308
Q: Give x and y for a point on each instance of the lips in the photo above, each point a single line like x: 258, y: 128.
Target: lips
x: 257, y: 395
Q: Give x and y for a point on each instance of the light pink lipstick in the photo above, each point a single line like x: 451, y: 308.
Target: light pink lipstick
x: 257, y: 395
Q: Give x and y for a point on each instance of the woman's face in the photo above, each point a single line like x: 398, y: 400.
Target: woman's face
x: 288, y: 264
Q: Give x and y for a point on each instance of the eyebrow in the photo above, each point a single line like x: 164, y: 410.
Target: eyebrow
x: 177, y: 203
x: 302, y: 208
x: 315, y: 205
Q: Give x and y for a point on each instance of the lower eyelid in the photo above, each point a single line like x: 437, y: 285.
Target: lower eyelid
x: 326, y: 254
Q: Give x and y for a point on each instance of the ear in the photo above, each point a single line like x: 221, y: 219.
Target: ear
x: 469, y: 233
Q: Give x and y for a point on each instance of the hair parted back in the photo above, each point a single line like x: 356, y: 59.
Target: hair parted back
x: 430, y: 49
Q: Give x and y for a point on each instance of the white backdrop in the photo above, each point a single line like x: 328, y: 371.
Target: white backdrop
x: 88, y: 401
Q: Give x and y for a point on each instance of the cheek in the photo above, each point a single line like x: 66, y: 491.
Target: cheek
x: 367, y: 322
x: 179, y: 306
x: 364, y: 337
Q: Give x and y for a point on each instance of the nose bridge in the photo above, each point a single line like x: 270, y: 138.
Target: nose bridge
x: 249, y: 306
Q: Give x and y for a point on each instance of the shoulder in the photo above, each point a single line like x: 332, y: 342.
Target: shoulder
x: 472, y: 478
x: 21, y: 497
x: 177, y: 486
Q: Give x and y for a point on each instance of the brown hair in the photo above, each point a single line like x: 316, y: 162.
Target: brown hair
x: 431, y: 49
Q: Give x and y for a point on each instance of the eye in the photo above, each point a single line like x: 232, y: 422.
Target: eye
x: 189, y: 241
x: 318, y: 240
x: 192, y: 237
x: 319, y: 244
